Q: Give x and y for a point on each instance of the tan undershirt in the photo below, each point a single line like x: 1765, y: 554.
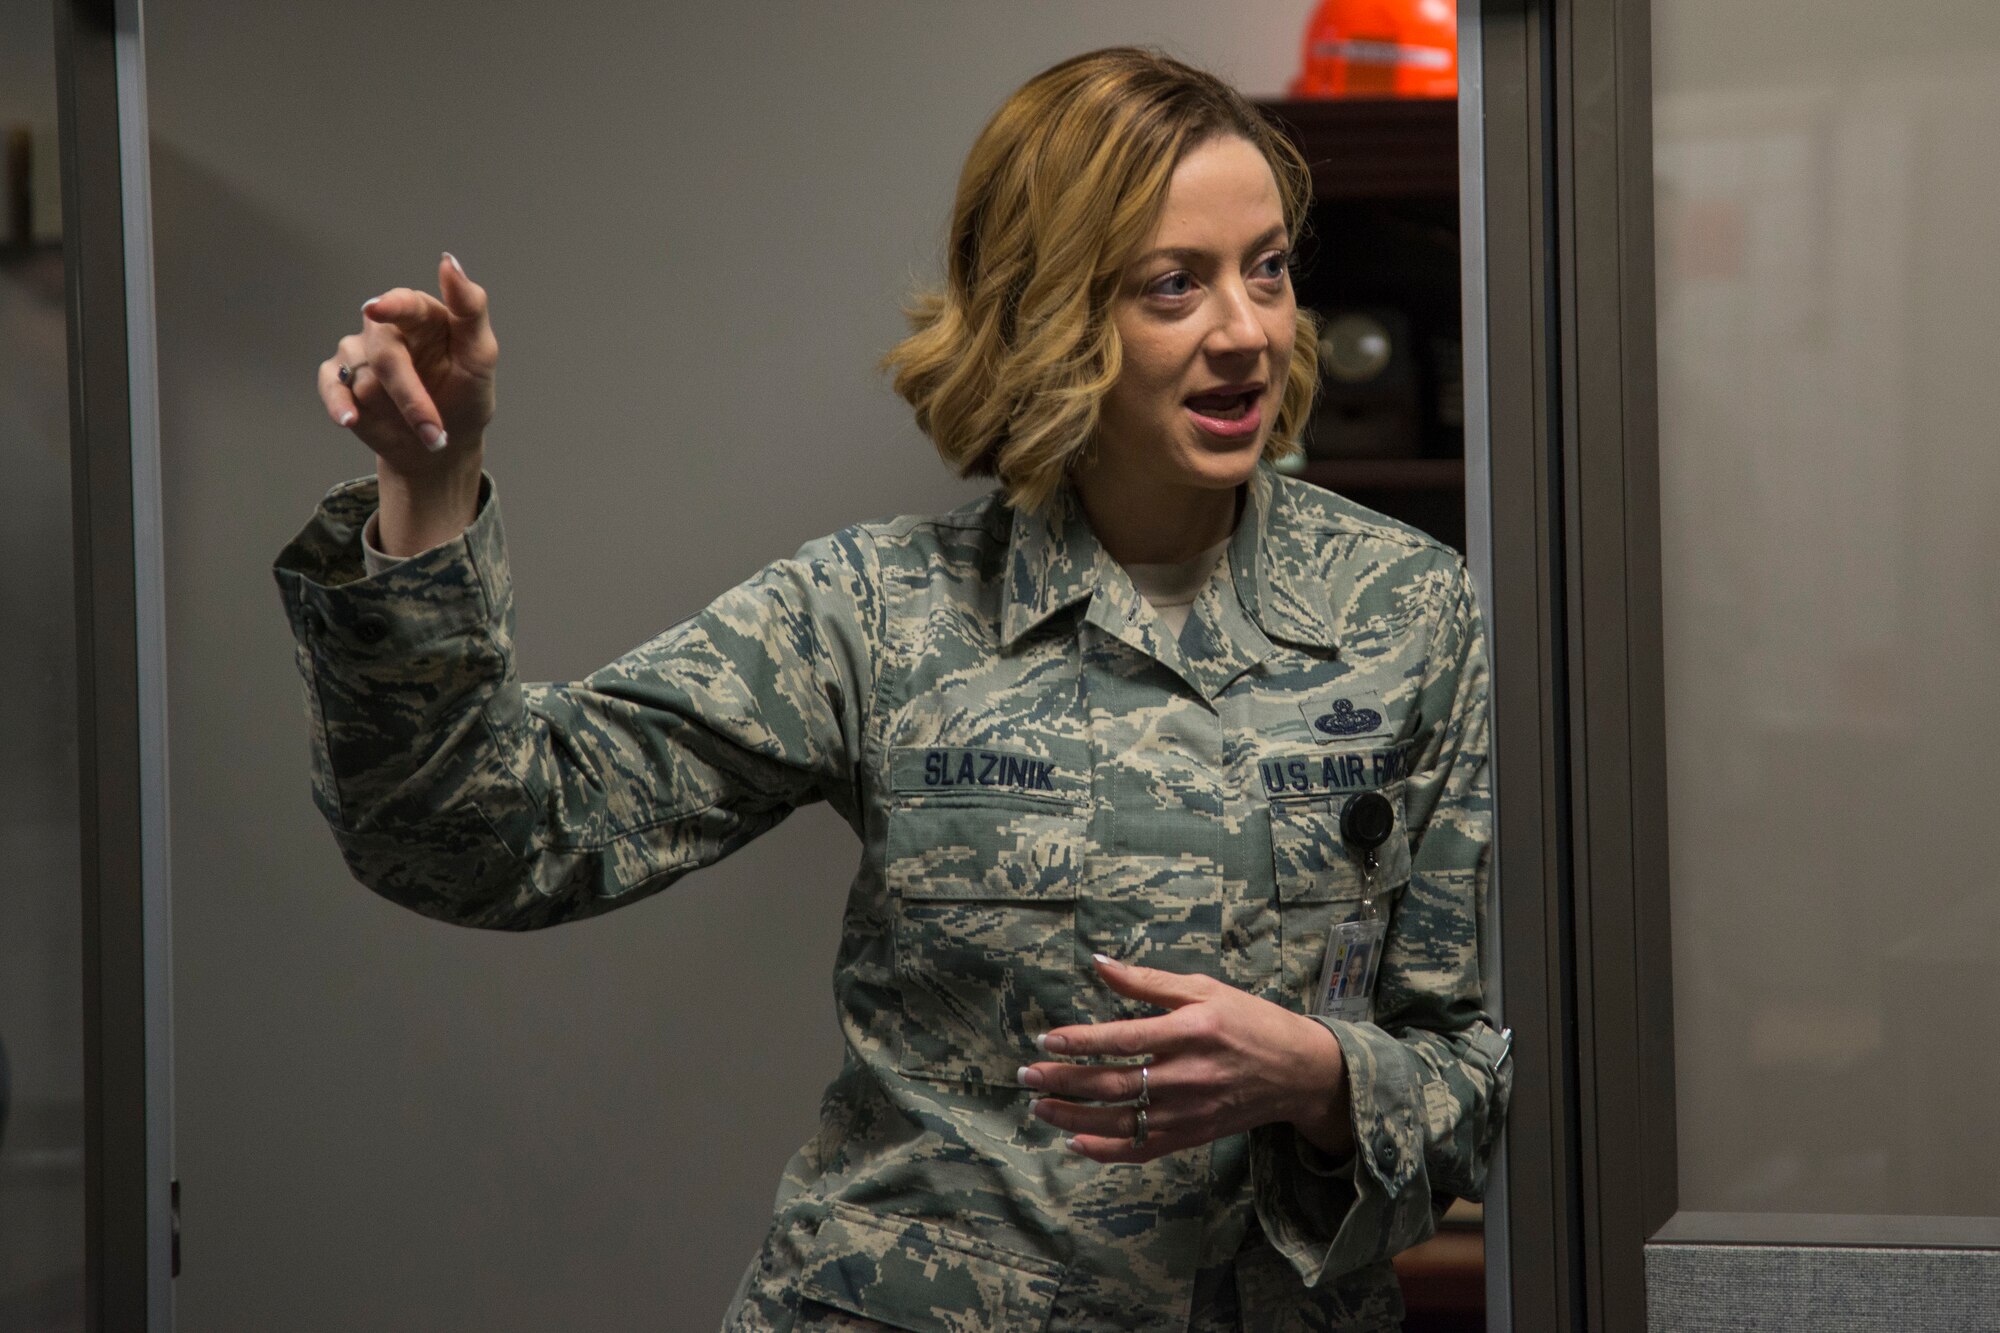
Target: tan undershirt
x: 1172, y: 588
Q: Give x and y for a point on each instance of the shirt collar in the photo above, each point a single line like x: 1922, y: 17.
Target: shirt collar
x: 1054, y: 561
x: 1280, y: 565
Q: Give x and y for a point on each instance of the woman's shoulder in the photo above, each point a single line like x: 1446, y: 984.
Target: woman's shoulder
x: 984, y: 514
x: 965, y: 538
x: 1354, y: 567
x: 1307, y: 510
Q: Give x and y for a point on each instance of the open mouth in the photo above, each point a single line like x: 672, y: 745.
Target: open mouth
x: 1225, y: 406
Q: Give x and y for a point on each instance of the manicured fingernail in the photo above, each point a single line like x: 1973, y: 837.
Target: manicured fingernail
x: 455, y: 264
x: 1074, y: 1146
x: 1106, y: 960
x: 1028, y: 1076
x: 370, y: 301
x: 1049, y: 1045
x: 432, y: 437
x: 347, y: 418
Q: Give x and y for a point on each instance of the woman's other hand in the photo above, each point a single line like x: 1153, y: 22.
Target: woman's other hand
x: 1222, y: 1062
x: 421, y: 397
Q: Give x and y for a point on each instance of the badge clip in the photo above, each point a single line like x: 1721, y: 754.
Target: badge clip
x: 1346, y: 988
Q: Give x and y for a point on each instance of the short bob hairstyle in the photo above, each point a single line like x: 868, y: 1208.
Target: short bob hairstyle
x: 1006, y: 365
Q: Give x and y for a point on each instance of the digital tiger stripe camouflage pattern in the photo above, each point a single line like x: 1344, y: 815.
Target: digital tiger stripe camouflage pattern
x: 1036, y: 770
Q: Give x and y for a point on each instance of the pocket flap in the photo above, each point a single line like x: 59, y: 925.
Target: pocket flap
x: 917, y: 1275
x: 1311, y: 862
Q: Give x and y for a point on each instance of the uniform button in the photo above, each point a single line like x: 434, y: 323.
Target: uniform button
x: 371, y: 629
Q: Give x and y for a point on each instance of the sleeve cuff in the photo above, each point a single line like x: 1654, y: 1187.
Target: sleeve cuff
x: 337, y: 599
x: 402, y: 650
x: 1317, y: 1163
x: 1327, y: 1217
x: 373, y: 558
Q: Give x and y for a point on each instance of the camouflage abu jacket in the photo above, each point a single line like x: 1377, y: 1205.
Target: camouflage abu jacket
x: 1036, y: 772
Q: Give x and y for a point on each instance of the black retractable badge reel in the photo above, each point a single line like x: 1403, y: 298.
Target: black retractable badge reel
x: 1354, y: 948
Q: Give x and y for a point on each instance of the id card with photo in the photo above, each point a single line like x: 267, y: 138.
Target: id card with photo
x: 1347, y: 978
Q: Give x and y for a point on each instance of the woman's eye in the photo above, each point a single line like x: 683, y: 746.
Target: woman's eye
x: 1275, y: 264
x: 1174, y: 284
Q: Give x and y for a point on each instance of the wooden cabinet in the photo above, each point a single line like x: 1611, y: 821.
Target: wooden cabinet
x: 1383, y: 235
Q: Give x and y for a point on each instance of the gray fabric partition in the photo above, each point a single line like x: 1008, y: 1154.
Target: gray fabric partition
x: 1820, y: 1289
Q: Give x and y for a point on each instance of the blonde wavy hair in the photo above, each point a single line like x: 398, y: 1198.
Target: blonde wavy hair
x: 1007, y: 364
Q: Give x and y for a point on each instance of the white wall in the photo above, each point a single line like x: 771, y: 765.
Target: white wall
x: 697, y: 223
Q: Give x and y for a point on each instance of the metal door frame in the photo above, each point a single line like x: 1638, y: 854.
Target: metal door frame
x: 121, y: 665
x: 1568, y: 391
x: 1565, y: 162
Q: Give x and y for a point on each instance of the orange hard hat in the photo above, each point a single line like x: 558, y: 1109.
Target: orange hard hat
x: 1380, y: 48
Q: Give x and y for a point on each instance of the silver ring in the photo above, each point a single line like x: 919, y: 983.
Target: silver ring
x: 1145, y: 1088
x: 348, y: 374
x: 1139, y: 1128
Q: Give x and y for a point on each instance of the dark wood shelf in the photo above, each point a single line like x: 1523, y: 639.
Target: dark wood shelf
x: 1383, y: 234
x: 1375, y: 148
x: 1385, y: 474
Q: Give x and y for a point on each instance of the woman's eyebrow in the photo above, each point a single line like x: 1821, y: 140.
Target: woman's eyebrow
x: 1186, y: 254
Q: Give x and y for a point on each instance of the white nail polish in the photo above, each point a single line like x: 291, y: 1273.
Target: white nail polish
x: 1042, y: 1042
x: 455, y: 264
x: 1105, y: 959
x: 432, y: 442
x: 1073, y: 1146
x: 1021, y: 1076
x: 347, y: 418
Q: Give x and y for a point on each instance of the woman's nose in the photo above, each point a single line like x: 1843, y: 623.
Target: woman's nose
x: 1237, y: 328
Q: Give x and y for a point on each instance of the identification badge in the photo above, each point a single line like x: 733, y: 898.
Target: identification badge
x: 1346, y: 988
x: 1347, y: 981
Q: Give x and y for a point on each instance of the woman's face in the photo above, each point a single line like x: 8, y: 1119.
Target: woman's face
x: 1206, y: 317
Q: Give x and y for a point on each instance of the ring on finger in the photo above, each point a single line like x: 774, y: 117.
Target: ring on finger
x: 348, y: 374
x: 1145, y: 1088
x: 1139, y: 1128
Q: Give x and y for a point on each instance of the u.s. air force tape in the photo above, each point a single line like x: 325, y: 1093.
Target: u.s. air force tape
x: 1318, y: 773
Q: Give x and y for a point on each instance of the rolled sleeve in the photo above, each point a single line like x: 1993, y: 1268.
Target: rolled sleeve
x: 389, y: 654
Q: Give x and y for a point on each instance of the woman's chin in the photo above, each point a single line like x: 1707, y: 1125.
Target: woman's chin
x: 1210, y: 463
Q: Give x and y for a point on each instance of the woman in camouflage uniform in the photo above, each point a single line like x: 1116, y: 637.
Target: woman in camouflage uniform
x: 1095, y: 733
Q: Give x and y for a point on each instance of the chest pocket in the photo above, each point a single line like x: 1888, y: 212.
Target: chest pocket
x: 1319, y: 880
x: 983, y: 881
